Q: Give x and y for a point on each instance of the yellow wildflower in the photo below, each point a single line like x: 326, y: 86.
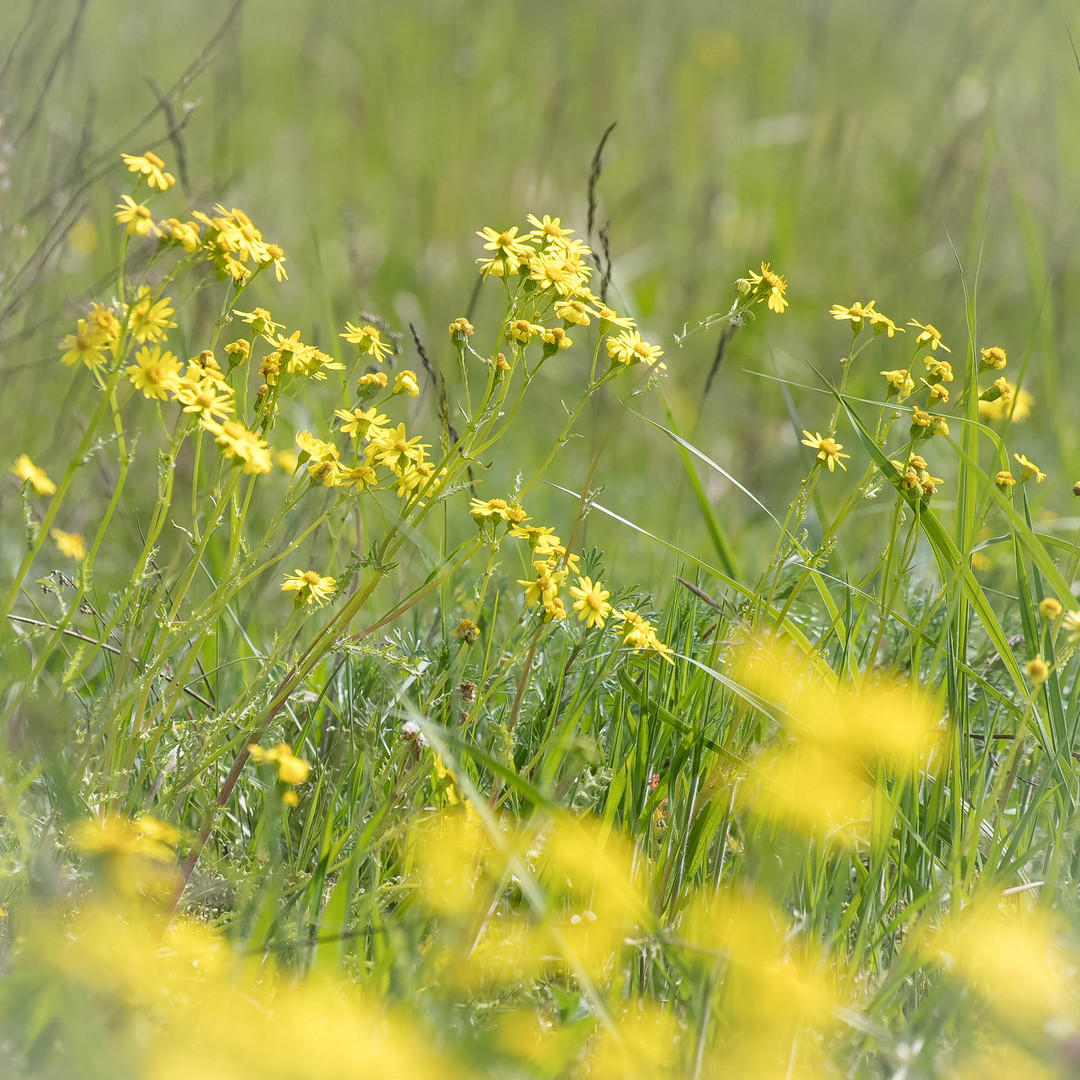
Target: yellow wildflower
x: 882, y: 324
x: 310, y: 587
x: 207, y: 397
x: 1029, y: 470
x: 29, y: 473
x: 149, y: 166
x: 994, y: 357
x: 590, y: 602
x: 1038, y: 670
x: 557, y: 337
x: 930, y: 335
x: 362, y: 423
x: 496, y: 508
x: 373, y: 380
x: 86, y: 344
x: 547, y: 229
x: 1050, y: 608
x: 1015, y: 408
x: 828, y: 449
x: 70, y: 544
x: 771, y: 284
x: 545, y: 586
x: 275, y: 256
x: 316, y: 449
x: 261, y: 322
x: 900, y: 382
x: 854, y: 314
x: 155, y: 373
x: 405, y: 383
x: 461, y: 328
x: 290, y: 768
x: 467, y: 631
x: 628, y: 348
x: 1071, y: 623
x: 938, y: 370
x: 368, y: 339
x: 1004, y: 479
x: 185, y: 233
x: 147, y: 320
x: 394, y: 449
x: 552, y: 270
x: 138, y: 217
x: 508, y: 250
x: 523, y: 330
x: 239, y: 444
x: 574, y: 311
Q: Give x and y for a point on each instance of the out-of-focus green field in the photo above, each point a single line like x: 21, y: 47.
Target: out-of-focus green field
x: 863, y: 149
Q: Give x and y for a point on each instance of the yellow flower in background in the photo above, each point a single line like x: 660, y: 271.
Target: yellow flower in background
x: 591, y: 602
x: 138, y: 217
x: 930, y: 335
x: 239, y: 444
x: 29, y: 473
x: 1029, y: 470
x: 772, y: 285
x: 1050, y: 608
x: 72, y: 545
x: 290, y: 768
x: 149, y: 166
x: 1015, y: 407
x: 1038, y: 670
x: 310, y: 587
x: 828, y: 449
x: 405, y: 383
x: 155, y: 373
x: 368, y: 339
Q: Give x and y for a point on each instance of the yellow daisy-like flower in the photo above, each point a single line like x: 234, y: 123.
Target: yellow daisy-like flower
x: 629, y: 348
x: 545, y: 586
x: 155, y: 373
x: 185, y: 233
x: 206, y: 397
x: 937, y: 392
x: 772, y: 285
x: 508, y: 247
x: 405, y: 383
x: 574, y: 311
x: 1050, y: 608
x: 1004, y: 479
x: 373, y: 380
x: 523, y: 330
x: 1071, y: 624
x: 138, y: 217
x: 71, y: 545
x: 147, y: 320
x: 497, y: 508
x: 290, y: 768
x: 310, y: 587
x: 1029, y: 470
x: 239, y: 444
x: 938, y: 370
x: 461, y: 328
x: 31, y: 474
x: 151, y: 167
x: 362, y: 423
x: 828, y: 450
x: 316, y: 449
x: 882, y: 324
x: 275, y: 256
x: 639, y: 633
x: 856, y: 314
x: 557, y: 337
x: 394, y: 449
x: 86, y: 344
x: 368, y: 339
x: 994, y: 357
x: 929, y: 335
x: 359, y: 476
x: 900, y: 382
x: 551, y: 270
x: 261, y: 322
x: 590, y: 602
x: 547, y: 229
x: 541, y: 538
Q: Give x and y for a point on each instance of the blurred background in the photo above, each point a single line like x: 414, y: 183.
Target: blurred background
x: 866, y: 151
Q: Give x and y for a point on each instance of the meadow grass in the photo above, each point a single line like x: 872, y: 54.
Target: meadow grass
x: 389, y: 692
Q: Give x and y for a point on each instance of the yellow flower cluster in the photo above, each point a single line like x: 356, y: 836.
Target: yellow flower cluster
x: 291, y: 770
x: 553, y: 269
